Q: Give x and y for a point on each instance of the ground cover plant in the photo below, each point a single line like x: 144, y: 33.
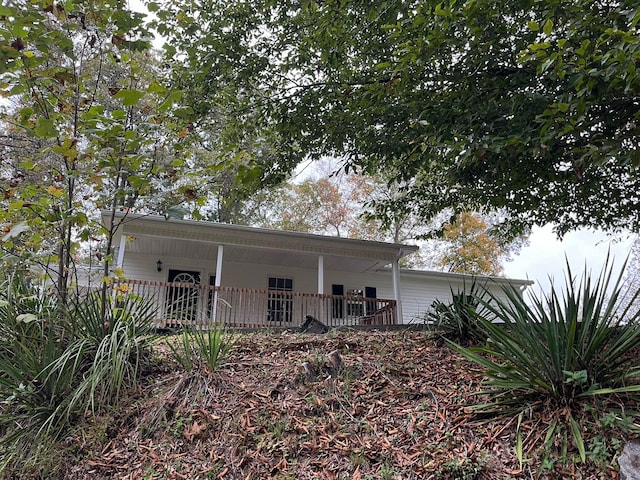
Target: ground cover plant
x: 456, y: 320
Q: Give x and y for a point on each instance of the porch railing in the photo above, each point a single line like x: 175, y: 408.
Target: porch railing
x: 188, y: 304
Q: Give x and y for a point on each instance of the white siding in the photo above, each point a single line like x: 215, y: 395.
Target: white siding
x: 419, y: 289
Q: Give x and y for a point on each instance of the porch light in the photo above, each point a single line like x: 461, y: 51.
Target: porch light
x: 159, y: 265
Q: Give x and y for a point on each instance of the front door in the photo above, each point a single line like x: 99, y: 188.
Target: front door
x: 182, y: 300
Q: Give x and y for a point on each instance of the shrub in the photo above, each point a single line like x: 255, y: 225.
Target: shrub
x: 56, y: 363
x: 561, y: 349
x: 115, y: 340
x: 456, y: 321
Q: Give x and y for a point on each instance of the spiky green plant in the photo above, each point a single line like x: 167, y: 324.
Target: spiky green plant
x: 202, y: 348
x: 116, y: 345
x: 55, y: 364
x: 561, y: 349
x: 456, y: 320
x: 31, y: 338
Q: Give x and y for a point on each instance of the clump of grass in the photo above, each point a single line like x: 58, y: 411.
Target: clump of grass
x: 59, y: 362
x: 202, y: 348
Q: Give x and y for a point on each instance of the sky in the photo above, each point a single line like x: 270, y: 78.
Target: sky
x: 546, y: 256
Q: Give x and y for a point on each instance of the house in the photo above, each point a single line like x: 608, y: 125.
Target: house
x: 203, y: 273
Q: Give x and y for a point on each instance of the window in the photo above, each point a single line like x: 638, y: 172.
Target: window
x: 280, y: 303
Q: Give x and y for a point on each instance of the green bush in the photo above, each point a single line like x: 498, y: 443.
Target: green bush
x: 115, y: 338
x: 56, y: 362
x: 559, y: 350
x: 456, y: 321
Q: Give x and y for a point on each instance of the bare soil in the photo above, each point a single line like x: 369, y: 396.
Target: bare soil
x: 387, y: 405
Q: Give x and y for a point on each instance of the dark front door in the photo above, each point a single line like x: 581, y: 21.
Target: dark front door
x: 182, y: 300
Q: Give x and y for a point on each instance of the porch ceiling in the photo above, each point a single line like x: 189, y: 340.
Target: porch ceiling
x: 164, y: 247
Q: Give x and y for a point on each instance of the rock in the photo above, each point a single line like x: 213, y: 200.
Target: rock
x: 335, y: 362
x: 309, y: 371
x: 629, y: 461
x: 313, y: 325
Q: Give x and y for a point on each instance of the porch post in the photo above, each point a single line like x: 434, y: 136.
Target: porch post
x: 219, y: 265
x: 217, y: 282
x: 123, y: 242
x: 320, y: 274
x: 396, y: 290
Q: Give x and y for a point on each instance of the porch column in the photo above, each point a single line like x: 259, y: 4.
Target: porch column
x: 396, y: 290
x: 217, y: 282
x: 219, y: 265
x: 123, y: 242
x: 320, y: 274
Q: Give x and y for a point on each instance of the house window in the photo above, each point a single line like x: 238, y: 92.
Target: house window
x: 280, y: 303
x: 372, y: 306
x: 358, y: 301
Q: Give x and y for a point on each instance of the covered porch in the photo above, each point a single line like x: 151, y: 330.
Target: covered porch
x: 204, y: 273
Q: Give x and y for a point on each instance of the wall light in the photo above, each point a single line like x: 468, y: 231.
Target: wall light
x: 159, y: 265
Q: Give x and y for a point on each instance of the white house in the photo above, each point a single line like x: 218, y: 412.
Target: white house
x: 205, y: 272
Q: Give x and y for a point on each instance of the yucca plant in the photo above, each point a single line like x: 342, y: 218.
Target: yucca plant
x: 202, y: 348
x: 456, y: 320
x: 32, y: 336
x: 55, y: 365
x: 559, y: 349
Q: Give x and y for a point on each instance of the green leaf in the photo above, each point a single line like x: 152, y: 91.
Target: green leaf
x: 176, y: 212
x: 533, y: 26
x: 129, y: 97
x: 577, y: 437
x: 519, y: 453
x: 25, y: 114
x: 45, y: 128
x: 156, y: 87
x: 548, y: 27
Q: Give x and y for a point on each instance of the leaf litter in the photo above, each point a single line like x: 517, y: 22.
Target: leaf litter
x: 346, y: 405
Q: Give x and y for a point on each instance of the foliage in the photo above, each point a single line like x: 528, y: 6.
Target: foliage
x: 529, y: 107
x: 561, y: 349
x: 117, y: 345
x: 56, y: 365
x: 87, y: 127
x: 202, y: 348
x: 471, y: 247
x: 456, y: 321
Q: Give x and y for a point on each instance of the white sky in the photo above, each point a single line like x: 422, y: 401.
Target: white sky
x: 546, y: 256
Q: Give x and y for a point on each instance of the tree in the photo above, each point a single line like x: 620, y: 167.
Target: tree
x: 88, y: 102
x: 530, y: 107
x: 470, y: 247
